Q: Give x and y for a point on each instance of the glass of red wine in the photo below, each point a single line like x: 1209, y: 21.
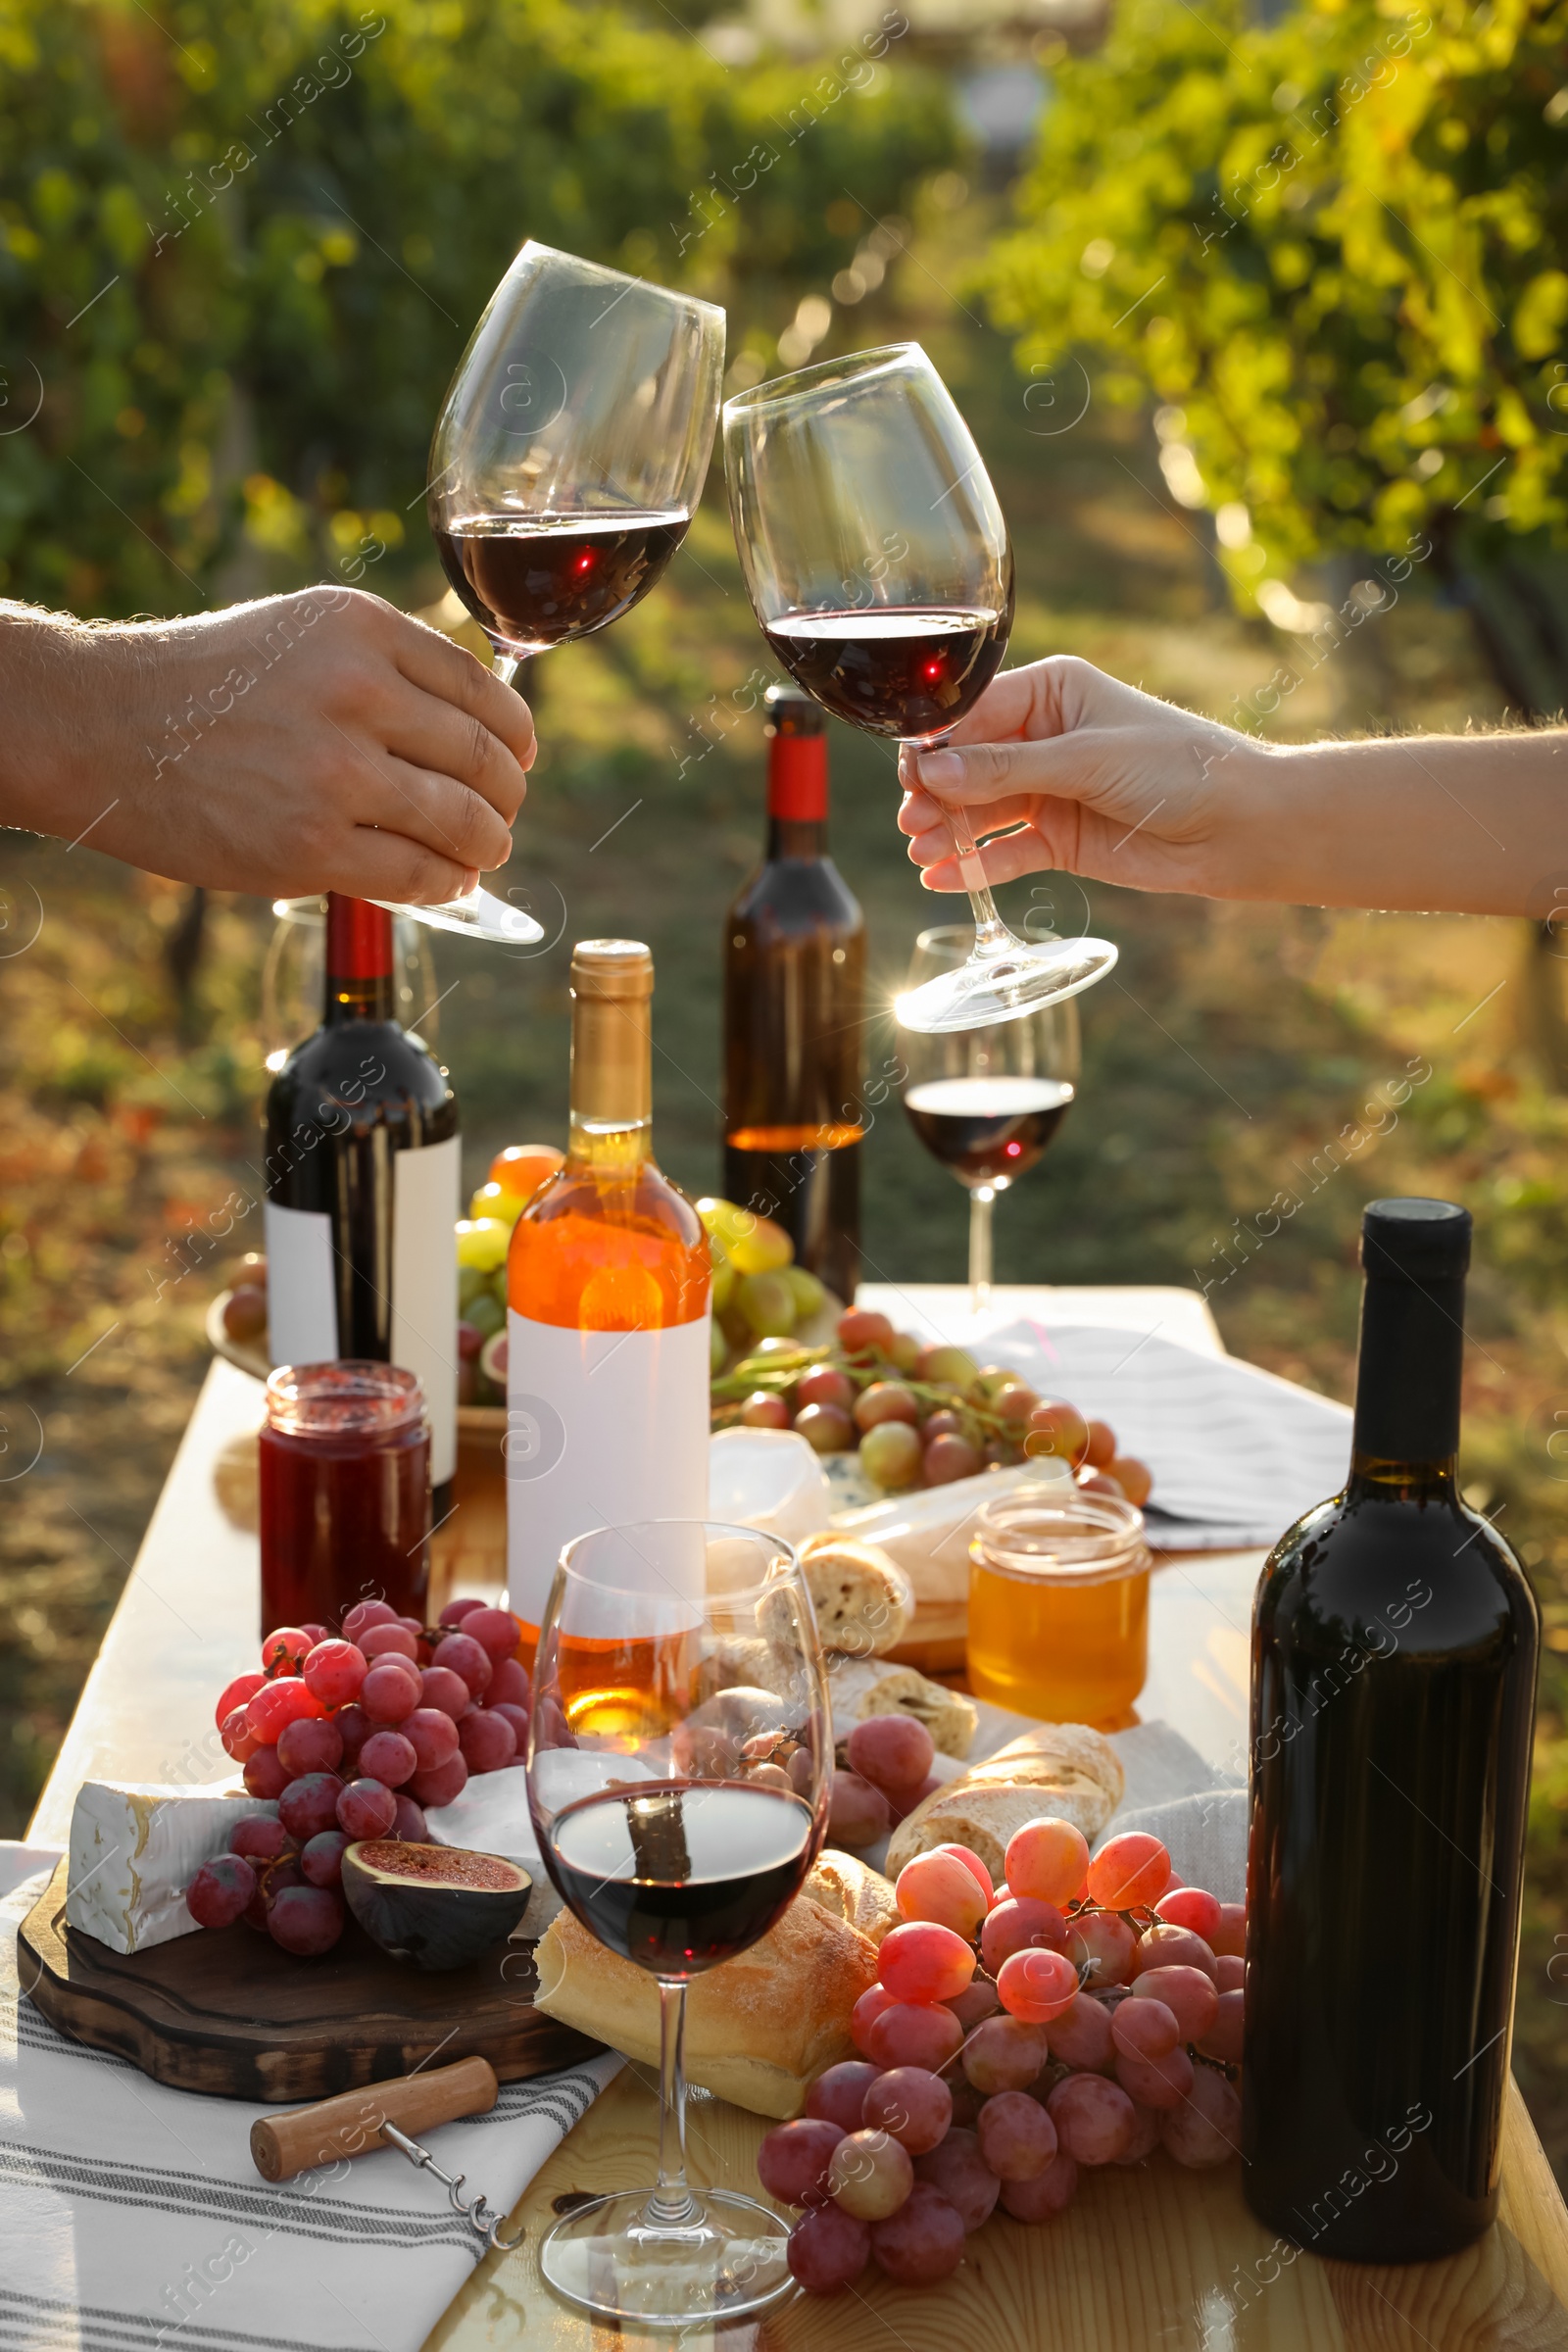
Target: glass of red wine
x: 679, y: 1806
x: 986, y: 1101
x: 877, y: 561
x: 567, y: 461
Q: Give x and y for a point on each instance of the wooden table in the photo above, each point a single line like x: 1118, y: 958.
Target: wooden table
x: 1151, y: 2261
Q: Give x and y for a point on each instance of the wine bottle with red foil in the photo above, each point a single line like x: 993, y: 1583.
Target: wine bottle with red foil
x: 793, y: 1039
x: 1394, y: 1679
x: 608, y: 1281
x: 362, y: 1186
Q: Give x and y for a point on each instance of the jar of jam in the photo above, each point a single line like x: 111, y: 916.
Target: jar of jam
x: 345, y: 1492
x: 1059, y: 1605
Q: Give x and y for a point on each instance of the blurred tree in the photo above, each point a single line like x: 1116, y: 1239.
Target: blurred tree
x: 241, y: 248
x: 1334, y: 248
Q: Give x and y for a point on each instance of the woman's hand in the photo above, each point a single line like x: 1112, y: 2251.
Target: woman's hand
x: 319, y: 741
x: 1065, y: 770
x: 1068, y: 772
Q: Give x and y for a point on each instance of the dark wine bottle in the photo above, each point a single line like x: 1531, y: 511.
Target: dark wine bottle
x: 794, y: 982
x: 363, y: 1187
x: 1393, y: 1672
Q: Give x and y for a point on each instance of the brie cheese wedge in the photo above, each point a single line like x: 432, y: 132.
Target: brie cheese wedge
x: 135, y: 1849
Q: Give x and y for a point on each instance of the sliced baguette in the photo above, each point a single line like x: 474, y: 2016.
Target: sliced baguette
x: 862, y: 1687
x: 851, y: 1889
x: 1062, y: 1770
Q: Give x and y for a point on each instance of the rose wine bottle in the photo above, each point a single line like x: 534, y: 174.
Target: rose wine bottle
x: 363, y: 1187
x: 1394, y: 1678
x: 608, y: 1288
x: 794, y: 980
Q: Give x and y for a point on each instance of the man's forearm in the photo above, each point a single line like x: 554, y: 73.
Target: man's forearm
x: 52, y: 671
x: 1432, y: 823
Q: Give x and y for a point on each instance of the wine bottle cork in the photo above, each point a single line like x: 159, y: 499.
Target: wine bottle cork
x: 349, y: 2125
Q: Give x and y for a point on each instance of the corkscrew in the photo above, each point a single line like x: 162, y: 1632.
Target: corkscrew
x: 282, y: 2146
x: 475, y: 2211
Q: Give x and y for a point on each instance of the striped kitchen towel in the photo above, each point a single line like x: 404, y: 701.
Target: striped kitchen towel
x: 133, y: 2219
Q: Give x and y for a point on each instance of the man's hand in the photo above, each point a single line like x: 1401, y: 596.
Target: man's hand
x: 320, y: 741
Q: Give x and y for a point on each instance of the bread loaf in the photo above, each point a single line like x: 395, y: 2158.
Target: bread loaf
x: 759, y: 2028
x: 851, y: 1889
x: 1063, y: 1770
x: 863, y: 1602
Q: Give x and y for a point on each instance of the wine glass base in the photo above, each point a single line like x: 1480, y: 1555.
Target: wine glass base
x: 609, y: 2260
x: 477, y: 915
x: 1005, y: 985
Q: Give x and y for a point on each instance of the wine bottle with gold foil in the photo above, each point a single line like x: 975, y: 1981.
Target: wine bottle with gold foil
x: 608, y: 1302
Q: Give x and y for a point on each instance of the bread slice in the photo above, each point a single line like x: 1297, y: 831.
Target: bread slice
x: 851, y: 1889
x: 759, y: 2028
x: 863, y: 1600
x: 1063, y: 1771
x: 859, y: 1687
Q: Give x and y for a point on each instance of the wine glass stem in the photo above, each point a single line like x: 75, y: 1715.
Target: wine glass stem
x: 671, y: 2205
x: 990, y: 933
x: 980, y: 1201
x: 506, y: 666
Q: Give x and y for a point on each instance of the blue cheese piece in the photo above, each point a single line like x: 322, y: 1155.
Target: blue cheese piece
x: 135, y: 1849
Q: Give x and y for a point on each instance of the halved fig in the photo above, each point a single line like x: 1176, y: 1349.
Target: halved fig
x: 439, y: 1906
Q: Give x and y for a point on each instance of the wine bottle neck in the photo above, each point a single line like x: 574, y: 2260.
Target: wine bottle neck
x: 794, y: 837
x: 1372, y: 1477
x: 797, y: 787
x: 1409, y: 1378
x: 612, y: 1083
x: 360, y: 983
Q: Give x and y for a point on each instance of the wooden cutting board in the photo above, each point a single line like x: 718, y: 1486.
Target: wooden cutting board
x: 226, y: 2012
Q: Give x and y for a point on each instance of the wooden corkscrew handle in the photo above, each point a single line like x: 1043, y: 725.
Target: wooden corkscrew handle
x: 351, y: 2124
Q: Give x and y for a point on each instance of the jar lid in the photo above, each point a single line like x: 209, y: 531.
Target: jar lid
x: 1051, y: 1532
x: 348, y: 1398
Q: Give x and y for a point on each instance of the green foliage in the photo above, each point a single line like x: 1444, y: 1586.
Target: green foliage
x: 241, y: 248
x: 1333, y: 245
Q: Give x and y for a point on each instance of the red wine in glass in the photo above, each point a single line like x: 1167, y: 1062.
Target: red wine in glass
x: 678, y: 1876
x: 906, y: 670
x: 988, y: 1128
x: 542, y: 580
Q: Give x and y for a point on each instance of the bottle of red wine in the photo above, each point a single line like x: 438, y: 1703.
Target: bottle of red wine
x: 362, y: 1186
x: 1393, y: 1677
x: 794, y: 981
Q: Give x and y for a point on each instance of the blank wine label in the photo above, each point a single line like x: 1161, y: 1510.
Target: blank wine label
x: 603, y: 1427
x: 424, y: 1287
x: 301, y: 1294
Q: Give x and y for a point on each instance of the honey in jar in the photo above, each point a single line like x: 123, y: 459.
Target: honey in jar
x: 1059, y: 1605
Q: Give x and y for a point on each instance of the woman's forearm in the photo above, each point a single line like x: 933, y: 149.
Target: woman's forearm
x: 1469, y: 823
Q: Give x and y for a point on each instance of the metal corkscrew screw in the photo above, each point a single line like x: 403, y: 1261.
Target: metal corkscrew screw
x: 475, y: 2211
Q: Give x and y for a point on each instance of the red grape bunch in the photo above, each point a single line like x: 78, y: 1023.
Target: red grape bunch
x: 1083, y: 2013
x: 354, y: 1734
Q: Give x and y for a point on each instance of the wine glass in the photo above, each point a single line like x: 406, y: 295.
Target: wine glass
x: 986, y: 1101
x: 567, y: 461
x: 678, y: 1808
x: 877, y: 561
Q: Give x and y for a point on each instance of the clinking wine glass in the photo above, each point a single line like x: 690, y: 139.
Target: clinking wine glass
x: 677, y: 1810
x: 566, y: 464
x: 986, y: 1101
x: 877, y: 561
